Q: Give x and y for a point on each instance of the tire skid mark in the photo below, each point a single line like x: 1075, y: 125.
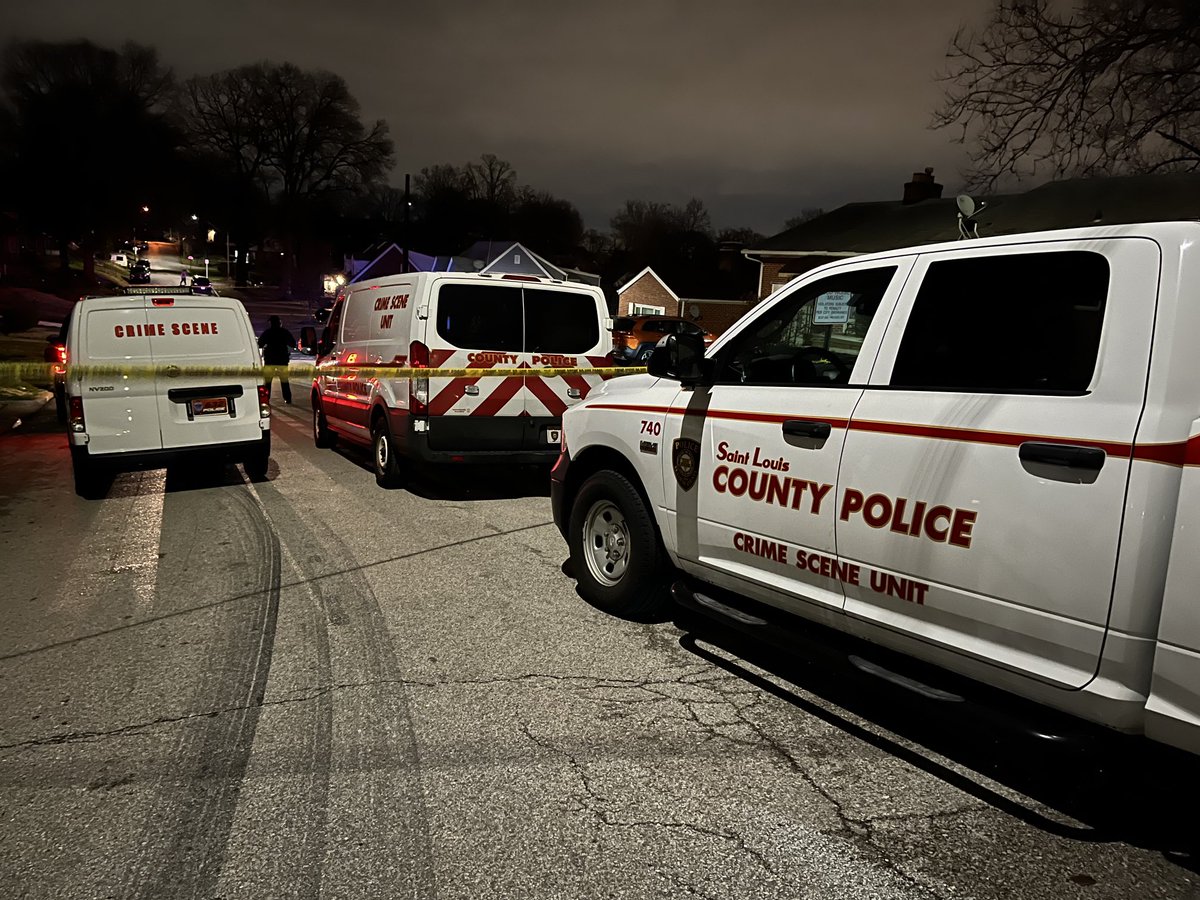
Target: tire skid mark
x: 197, y: 805
x: 384, y: 739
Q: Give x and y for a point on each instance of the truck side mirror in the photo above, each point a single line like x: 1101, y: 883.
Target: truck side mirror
x: 679, y: 357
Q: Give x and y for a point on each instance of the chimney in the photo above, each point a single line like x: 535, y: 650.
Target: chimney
x: 922, y: 187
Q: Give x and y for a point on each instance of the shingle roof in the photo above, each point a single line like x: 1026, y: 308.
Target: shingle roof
x: 872, y: 227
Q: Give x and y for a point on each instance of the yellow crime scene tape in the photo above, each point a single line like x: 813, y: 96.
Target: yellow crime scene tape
x: 46, y: 371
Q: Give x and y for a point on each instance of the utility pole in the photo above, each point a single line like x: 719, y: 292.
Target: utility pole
x: 407, y: 204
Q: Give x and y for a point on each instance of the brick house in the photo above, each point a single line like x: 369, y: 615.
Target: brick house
x: 646, y: 294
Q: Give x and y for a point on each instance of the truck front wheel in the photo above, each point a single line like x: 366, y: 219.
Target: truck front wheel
x: 616, y: 554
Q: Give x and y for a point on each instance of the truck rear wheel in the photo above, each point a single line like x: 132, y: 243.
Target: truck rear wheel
x: 388, y: 473
x: 616, y: 554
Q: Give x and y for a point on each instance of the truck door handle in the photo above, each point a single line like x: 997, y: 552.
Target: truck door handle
x: 1068, y: 455
x: 472, y: 390
x: 801, y: 428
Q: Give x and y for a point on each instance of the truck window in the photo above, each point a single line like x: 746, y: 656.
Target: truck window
x: 812, y: 336
x: 560, y: 321
x: 480, y: 316
x: 1027, y: 322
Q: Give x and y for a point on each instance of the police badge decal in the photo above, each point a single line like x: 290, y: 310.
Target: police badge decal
x: 685, y: 456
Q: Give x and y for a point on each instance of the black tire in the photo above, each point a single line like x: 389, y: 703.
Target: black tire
x: 259, y: 460
x: 322, y: 436
x: 385, y: 460
x: 628, y: 575
x: 89, y: 479
x: 643, y: 356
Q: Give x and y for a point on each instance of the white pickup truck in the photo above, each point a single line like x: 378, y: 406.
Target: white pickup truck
x: 982, y: 454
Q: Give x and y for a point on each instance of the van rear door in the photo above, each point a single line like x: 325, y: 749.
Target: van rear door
x: 563, y: 330
x: 120, y: 410
x: 478, y: 326
x: 200, y: 409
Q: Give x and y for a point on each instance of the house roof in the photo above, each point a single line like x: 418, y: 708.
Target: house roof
x: 871, y: 227
x: 647, y: 271
x: 390, y: 261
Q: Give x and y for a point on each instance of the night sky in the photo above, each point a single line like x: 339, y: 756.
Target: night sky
x: 760, y: 108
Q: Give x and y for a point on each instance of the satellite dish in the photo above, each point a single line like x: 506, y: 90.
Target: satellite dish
x: 966, y: 205
x: 478, y: 264
x: 694, y: 310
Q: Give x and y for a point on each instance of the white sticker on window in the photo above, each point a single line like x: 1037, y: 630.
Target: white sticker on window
x: 832, y: 308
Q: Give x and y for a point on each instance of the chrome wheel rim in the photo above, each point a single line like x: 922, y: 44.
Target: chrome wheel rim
x: 381, y: 452
x: 606, y: 542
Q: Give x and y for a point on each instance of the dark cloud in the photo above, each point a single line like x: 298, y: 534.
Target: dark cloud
x: 759, y: 108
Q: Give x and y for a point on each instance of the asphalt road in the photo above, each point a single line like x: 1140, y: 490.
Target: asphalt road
x: 311, y: 687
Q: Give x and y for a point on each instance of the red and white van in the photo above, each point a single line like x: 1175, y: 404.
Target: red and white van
x: 441, y: 320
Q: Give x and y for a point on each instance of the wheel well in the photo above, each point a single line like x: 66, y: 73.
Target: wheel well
x: 377, y: 413
x: 590, y: 461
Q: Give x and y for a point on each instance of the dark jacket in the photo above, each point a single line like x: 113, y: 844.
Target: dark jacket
x: 276, y: 344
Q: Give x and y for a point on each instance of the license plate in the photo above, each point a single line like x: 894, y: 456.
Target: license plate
x: 553, y: 435
x: 213, y: 406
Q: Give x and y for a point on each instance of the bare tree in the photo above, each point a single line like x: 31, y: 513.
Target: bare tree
x: 493, y: 180
x: 316, y: 143
x: 1112, y: 86
x: 72, y: 117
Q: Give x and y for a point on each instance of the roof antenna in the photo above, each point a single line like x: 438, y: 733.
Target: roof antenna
x: 968, y: 228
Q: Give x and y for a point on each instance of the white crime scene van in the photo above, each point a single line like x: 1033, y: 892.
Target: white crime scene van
x: 159, y: 412
x: 982, y: 454
x: 440, y: 320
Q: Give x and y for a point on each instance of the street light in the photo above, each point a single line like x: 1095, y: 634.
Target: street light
x: 194, y: 217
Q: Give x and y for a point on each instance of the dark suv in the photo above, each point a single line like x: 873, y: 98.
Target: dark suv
x: 634, y: 337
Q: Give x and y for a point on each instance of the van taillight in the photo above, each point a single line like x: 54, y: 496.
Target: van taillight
x: 75, y: 414
x: 163, y: 301
x: 418, y: 388
x: 264, y: 402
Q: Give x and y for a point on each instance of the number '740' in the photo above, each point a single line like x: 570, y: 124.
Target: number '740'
x: 654, y: 428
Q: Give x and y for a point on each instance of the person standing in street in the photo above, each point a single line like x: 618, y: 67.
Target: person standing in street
x: 182, y: 277
x: 276, y: 344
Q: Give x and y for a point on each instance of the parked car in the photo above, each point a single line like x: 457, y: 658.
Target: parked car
x: 139, y: 275
x: 201, y: 285
x: 634, y: 337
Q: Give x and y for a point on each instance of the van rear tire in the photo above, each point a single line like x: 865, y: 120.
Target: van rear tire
x: 89, y: 480
x: 388, y: 472
x: 617, y: 558
x: 257, y: 463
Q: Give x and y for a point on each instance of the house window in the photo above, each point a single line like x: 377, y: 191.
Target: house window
x: 641, y: 309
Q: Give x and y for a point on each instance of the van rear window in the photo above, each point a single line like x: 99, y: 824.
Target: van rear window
x: 529, y: 320
x: 480, y: 316
x: 560, y: 322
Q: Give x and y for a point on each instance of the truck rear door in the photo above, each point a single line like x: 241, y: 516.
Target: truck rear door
x: 983, y: 480
x: 197, y: 408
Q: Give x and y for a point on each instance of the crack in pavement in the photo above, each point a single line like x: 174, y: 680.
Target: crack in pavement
x: 588, y: 682
x: 593, y: 798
